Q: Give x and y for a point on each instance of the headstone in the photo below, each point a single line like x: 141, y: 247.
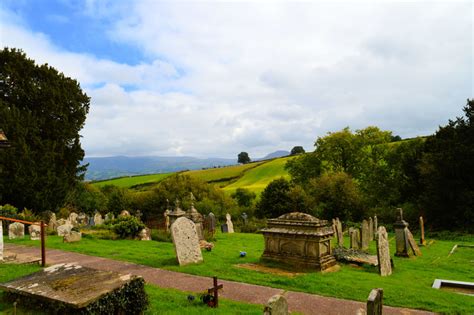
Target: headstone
x: 193, y: 215
x: 371, y: 229
x: 364, y: 235
x: 1, y: 240
x: 211, y: 223
x: 376, y: 226
x: 145, y: 234
x: 124, y: 213
x: 224, y: 228
x: 412, y: 243
x: 401, y: 239
x: 354, y: 237
x: 276, y: 305
x: 72, y: 237
x: 64, y: 229
x: 383, y: 253
x: 82, y: 219
x: 186, y: 241
x: 167, y: 220
x: 375, y: 302
x: 53, y: 223
x: 35, y: 232
x: 244, y: 217
x: 73, y: 218
x: 230, y: 225
x: 16, y: 230
x: 422, y: 232
x: 91, y: 221
x: 98, y: 219
x: 61, y: 222
x: 340, y: 237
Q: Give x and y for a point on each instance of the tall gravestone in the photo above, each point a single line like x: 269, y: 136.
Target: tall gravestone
x: 186, y: 241
x: 375, y: 302
x: 230, y: 225
x: 364, y: 235
x: 53, y: 223
x: 383, y: 253
x: 354, y: 238
x: 1, y: 240
x: 276, y: 305
x: 339, y: 234
x: 73, y: 218
x: 98, y: 219
x: 422, y: 232
x: 16, y: 230
x: 211, y: 223
x: 376, y: 226
x: 412, y: 243
x: 167, y: 220
x: 193, y: 215
x: 401, y: 235
x: 371, y: 229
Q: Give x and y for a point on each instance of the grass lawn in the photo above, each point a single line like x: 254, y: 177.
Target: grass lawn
x: 409, y: 286
x: 162, y: 301
x: 127, y: 182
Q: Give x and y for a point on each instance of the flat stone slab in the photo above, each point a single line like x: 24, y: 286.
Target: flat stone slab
x: 20, y: 258
x: 70, y: 284
x: 355, y: 256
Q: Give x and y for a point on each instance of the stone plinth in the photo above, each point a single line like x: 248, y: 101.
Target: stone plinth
x: 300, y: 240
x: 75, y: 289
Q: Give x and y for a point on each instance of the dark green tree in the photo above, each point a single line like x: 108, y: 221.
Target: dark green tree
x: 244, y: 197
x: 297, y: 150
x: 304, y: 167
x: 41, y: 112
x: 447, y: 170
x: 243, y: 158
x: 275, y: 200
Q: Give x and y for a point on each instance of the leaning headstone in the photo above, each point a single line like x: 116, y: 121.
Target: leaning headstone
x: 383, y: 253
x: 73, y: 218
x: 412, y: 243
x: 340, y: 237
x: 1, y: 240
x: 276, y: 305
x: 145, y: 235
x: 422, y: 232
x: 230, y: 225
x: 98, y: 219
x: 53, y: 223
x: 371, y: 229
x: 16, y: 230
x: 376, y: 226
x: 354, y: 237
x: 364, y: 235
x: 64, y: 229
x: 35, y: 232
x: 72, y: 237
x: 186, y: 241
x: 401, y: 236
x: 375, y: 302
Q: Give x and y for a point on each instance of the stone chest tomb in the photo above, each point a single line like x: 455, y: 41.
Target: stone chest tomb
x: 300, y: 240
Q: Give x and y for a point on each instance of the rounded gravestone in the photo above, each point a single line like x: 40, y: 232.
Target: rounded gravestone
x: 186, y: 241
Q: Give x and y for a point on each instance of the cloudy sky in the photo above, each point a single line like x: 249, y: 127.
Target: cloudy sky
x: 215, y: 78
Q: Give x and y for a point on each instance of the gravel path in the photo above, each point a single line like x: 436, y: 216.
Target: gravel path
x: 300, y: 302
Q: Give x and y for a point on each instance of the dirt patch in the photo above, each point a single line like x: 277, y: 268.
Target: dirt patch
x: 272, y: 270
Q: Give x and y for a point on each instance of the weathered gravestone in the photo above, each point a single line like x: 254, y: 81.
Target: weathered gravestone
x: 16, y: 230
x: 1, y: 240
x: 364, y: 235
x: 35, y: 232
x: 339, y: 234
x: 376, y: 226
x: 211, y: 223
x: 224, y: 228
x: 401, y: 235
x: 371, y: 229
x: 354, y: 237
x: 145, y: 234
x: 383, y: 253
x: 73, y: 218
x: 64, y: 229
x: 186, y: 241
x: 124, y: 213
x: 72, y: 237
x: 230, y: 225
x: 422, y: 232
x: 91, y: 221
x: 193, y: 215
x: 375, y: 302
x: 82, y: 219
x: 53, y: 223
x: 276, y: 305
x: 98, y: 219
x: 412, y: 243
x: 167, y: 220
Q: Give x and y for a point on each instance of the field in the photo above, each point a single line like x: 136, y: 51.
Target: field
x: 253, y: 176
x: 162, y: 301
x: 409, y: 286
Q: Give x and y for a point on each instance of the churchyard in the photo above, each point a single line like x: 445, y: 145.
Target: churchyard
x: 408, y: 286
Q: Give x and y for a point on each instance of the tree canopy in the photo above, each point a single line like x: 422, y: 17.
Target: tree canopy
x: 243, y: 158
x: 297, y: 150
x: 41, y: 112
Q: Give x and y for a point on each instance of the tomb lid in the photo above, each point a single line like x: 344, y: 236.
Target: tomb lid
x: 298, y: 216
x: 298, y: 223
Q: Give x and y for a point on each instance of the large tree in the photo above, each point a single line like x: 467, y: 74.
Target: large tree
x: 243, y: 158
x: 41, y: 112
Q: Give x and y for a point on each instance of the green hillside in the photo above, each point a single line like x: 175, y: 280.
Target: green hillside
x: 223, y: 175
x: 127, y: 182
x: 256, y: 179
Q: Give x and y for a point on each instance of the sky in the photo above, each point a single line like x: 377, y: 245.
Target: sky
x: 214, y: 78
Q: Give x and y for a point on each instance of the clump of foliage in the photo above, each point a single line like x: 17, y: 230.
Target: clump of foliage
x: 243, y: 158
x: 297, y: 150
x: 127, y: 226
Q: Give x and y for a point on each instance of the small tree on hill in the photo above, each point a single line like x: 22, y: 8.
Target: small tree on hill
x: 297, y: 150
x: 243, y: 158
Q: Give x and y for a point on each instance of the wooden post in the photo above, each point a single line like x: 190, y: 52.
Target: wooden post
x: 215, y: 290
x: 43, y: 250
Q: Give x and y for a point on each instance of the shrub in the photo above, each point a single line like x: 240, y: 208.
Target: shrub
x: 160, y: 236
x: 127, y: 227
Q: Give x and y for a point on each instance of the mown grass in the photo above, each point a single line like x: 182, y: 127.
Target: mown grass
x: 162, y: 301
x: 409, y: 286
x: 127, y: 182
x: 256, y: 179
x: 223, y: 175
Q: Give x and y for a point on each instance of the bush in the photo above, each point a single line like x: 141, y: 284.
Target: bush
x: 8, y: 211
x: 253, y: 225
x: 127, y: 227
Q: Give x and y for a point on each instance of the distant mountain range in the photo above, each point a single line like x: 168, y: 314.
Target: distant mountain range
x: 117, y: 166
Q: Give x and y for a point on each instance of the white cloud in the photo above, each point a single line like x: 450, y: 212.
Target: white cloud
x: 230, y: 77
